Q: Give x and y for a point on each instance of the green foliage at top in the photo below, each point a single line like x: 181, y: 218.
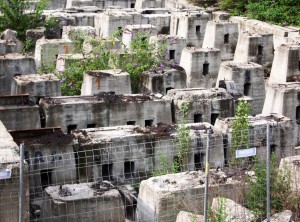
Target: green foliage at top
x: 16, y: 15
x: 184, y: 138
x: 281, y: 12
x: 280, y: 180
x: 140, y: 57
x: 240, y: 130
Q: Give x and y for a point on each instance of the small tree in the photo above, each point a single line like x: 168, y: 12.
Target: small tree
x: 240, y: 131
x: 21, y: 15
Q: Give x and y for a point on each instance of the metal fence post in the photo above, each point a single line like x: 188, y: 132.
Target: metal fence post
x: 268, y: 173
x: 206, y: 177
x: 21, y: 188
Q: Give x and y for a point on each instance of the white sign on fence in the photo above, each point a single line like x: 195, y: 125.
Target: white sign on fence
x: 5, y: 173
x: 245, y: 152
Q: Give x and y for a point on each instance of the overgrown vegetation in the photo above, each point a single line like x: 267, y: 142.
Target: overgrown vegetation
x: 240, y: 132
x: 140, y: 56
x: 21, y: 15
x: 184, y: 138
x: 280, y: 180
x: 281, y: 12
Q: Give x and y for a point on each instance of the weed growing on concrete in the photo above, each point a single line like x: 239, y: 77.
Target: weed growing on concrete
x: 184, y: 138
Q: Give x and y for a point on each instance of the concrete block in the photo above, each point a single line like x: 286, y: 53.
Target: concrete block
x: 201, y: 66
x: 105, y: 109
x: 190, y: 25
x: 17, y: 112
x: 64, y: 61
x: 254, y: 47
x: 37, y: 86
x: 248, y: 79
x: 222, y: 35
x: 205, y: 105
x: 78, y: 32
x: 113, y: 80
x: 184, y: 216
x: 160, y: 21
x: 47, y: 51
x: 161, y: 80
x: 11, y: 64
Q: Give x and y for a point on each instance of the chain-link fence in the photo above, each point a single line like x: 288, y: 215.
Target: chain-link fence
x: 152, y: 177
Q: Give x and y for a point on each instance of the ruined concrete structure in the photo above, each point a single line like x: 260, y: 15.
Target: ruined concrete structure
x: 80, y: 150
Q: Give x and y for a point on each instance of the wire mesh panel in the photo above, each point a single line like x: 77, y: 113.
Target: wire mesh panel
x: 151, y: 179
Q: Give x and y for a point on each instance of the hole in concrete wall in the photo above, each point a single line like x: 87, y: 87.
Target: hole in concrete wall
x: 171, y: 54
x: 213, y: 118
x: 144, y: 39
x: 298, y: 95
x: 132, y: 5
x: 107, y: 171
x: 226, y: 39
x: 273, y: 149
x: 176, y: 162
x: 71, y: 127
x: 198, y: 27
x: 299, y: 65
x: 46, y: 178
x: 177, y: 26
x: 168, y: 88
x: 199, y: 161
x: 120, y: 32
x: 148, y: 122
x: 205, y: 69
x: 132, y: 123
x: 197, y: 118
x: 260, y: 49
x: 247, y: 87
x: 91, y: 125
x: 129, y: 169
x: 298, y: 115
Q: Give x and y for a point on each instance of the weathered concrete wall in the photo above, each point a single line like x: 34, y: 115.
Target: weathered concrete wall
x: 105, y: 109
x: 17, y: 112
x: 101, y: 4
x: 281, y: 134
x: 11, y: 64
x: 85, y: 202
x: 78, y: 32
x: 36, y: 86
x: 160, y: 21
x: 254, y: 47
x: 174, y: 45
x: 286, y: 65
x: 47, y: 50
x: 64, y: 61
x: 143, y: 148
x: 248, y: 79
x: 162, y: 198
x: 205, y: 105
x: 160, y: 80
x: 113, y: 80
x: 222, y: 35
x: 9, y: 198
x: 132, y: 31
x: 201, y: 66
x: 149, y: 4
x: 189, y: 25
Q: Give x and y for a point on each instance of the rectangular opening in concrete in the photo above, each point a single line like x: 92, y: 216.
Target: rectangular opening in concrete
x: 132, y: 5
x: 299, y: 65
x: 199, y: 161
x: 198, y: 27
x: 168, y: 88
x: 260, y: 49
x: 247, y: 87
x: 213, y: 118
x: 273, y: 149
x: 226, y: 39
x: 177, y: 26
x: 107, y: 171
x: 120, y: 31
x: 128, y: 169
x: 205, y: 69
x: 298, y: 115
x: 46, y: 178
x: 197, y: 118
x: 131, y: 123
x: 171, y: 54
x: 148, y: 122
x: 91, y: 125
x: 176, y: 163
x: 71, y: 127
